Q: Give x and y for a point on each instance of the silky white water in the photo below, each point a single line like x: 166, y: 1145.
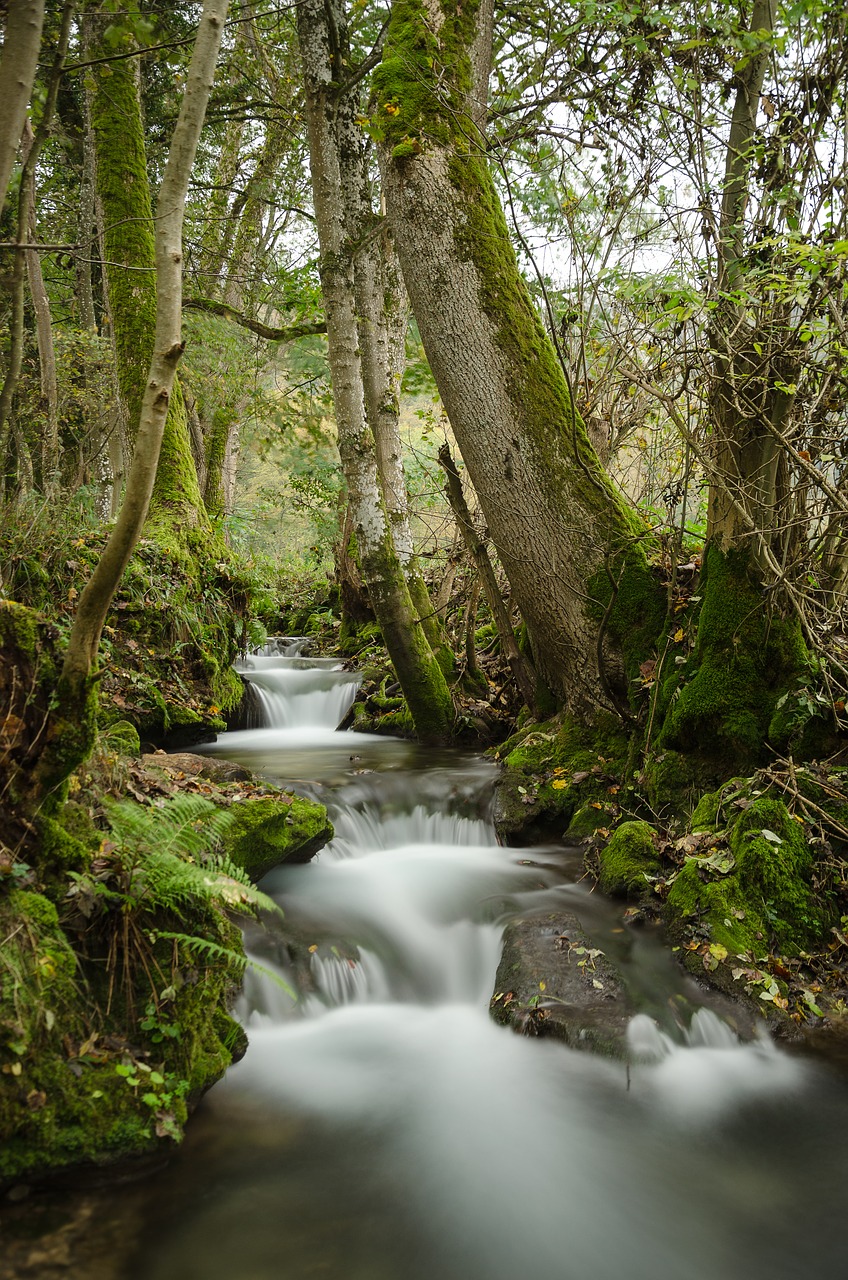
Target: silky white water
x: 383, y: 1126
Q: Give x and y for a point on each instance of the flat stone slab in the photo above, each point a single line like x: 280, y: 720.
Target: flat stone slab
x: 194, y: 766
x: 551, y: 981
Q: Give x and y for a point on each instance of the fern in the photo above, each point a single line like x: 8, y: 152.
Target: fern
x: 214, y: 951
x: 174, y: 857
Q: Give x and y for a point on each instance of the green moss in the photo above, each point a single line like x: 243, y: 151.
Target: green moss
x: 672, y: 781
x: 130, y: 251
x: 423, y: 82
x: 628, y: 858
x: 633, y: 601
x: 706, y: 811
x: 585, y: 821
x: 744, y: 657
x: 557, y: 777
x: 766, y: 896
x: 271, y: 830
x: 776, y: 872
x: 121, y: 737
x: 129, y: 246
x: 60, y: 850
x: 721, y: 906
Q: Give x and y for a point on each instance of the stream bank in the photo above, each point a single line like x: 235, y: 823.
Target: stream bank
x: 382, y: 1122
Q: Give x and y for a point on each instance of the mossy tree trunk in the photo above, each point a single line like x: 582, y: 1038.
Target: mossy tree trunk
x: 334, y: 143
x: 130, y: 265
x: 748, y: 648
x: 78, y: 676
x: 748, y: 497
x: 562, y: 532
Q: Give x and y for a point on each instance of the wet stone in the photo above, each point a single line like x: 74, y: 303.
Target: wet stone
x: 552, y: 981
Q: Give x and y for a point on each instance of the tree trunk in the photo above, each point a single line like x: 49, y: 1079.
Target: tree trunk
x: 745, y: 500
x: 525, y: 677
x: 130, y: 269
x: 81, y: 655
x: 334, y: 143
x: 383, y: 314
x: 552, y: 512
x: 18, y: 64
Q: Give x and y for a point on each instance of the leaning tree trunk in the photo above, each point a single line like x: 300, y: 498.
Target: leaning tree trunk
x: 334, y: 136
x: 130, y: 269
x: 70, y: 734
x: 562, y: 533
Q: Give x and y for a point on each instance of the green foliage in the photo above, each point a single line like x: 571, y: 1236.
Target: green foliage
x: 170, y: 860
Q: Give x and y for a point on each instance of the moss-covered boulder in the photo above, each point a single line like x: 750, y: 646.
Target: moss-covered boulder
x: 83, y: 1082
x: 755, y: 891
x: 283, y: 828
x: 629, y: 859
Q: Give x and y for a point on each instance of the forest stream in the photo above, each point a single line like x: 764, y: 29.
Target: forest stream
x: 382, y: 1126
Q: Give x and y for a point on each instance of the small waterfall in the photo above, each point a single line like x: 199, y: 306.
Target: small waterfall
x: 296, y: 692
x: 382, y: 1125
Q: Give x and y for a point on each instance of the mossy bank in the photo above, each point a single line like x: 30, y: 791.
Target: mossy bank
x: 121, y: 957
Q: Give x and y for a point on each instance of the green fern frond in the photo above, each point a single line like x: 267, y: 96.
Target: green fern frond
x: 175, y: 849
x: 207, y: 949
x: 214, y: 951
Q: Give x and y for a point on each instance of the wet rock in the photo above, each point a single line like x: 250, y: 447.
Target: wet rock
x: 552, y: 981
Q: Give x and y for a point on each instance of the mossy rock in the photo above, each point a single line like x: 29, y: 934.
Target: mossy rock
x: 554, y: 771
x: 585, y: 821
x: 53, y: 1113
x: 121, y: 737
x: 720, y: 907
x: 275, y: 829
x: 774, y: 865
x: 629, y: 857
x: 673, y: 782
x: 764, y: 897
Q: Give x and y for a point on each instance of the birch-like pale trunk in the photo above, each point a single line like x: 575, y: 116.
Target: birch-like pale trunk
x: 334, y: 141
x: 81, y: 655
x: 383, y: 314
x: 18, y: 64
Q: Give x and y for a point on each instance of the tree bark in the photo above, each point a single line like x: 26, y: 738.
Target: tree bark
x: 130, y: 269
x: 334, y: 143
x: 551, y: 510
x: 383, y: 314
x: 84, y: 641
x: 18, y: 64
x: 49, y: 453
x: 747, y: 456
x: 525, y: 677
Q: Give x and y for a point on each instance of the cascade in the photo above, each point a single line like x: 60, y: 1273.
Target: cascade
x: 294, y: 692
x: 382, y: 1127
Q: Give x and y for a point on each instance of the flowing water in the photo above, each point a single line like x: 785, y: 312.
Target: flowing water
x: 381, y: 1127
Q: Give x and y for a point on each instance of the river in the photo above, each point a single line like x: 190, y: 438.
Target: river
x: 382, y: 1127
